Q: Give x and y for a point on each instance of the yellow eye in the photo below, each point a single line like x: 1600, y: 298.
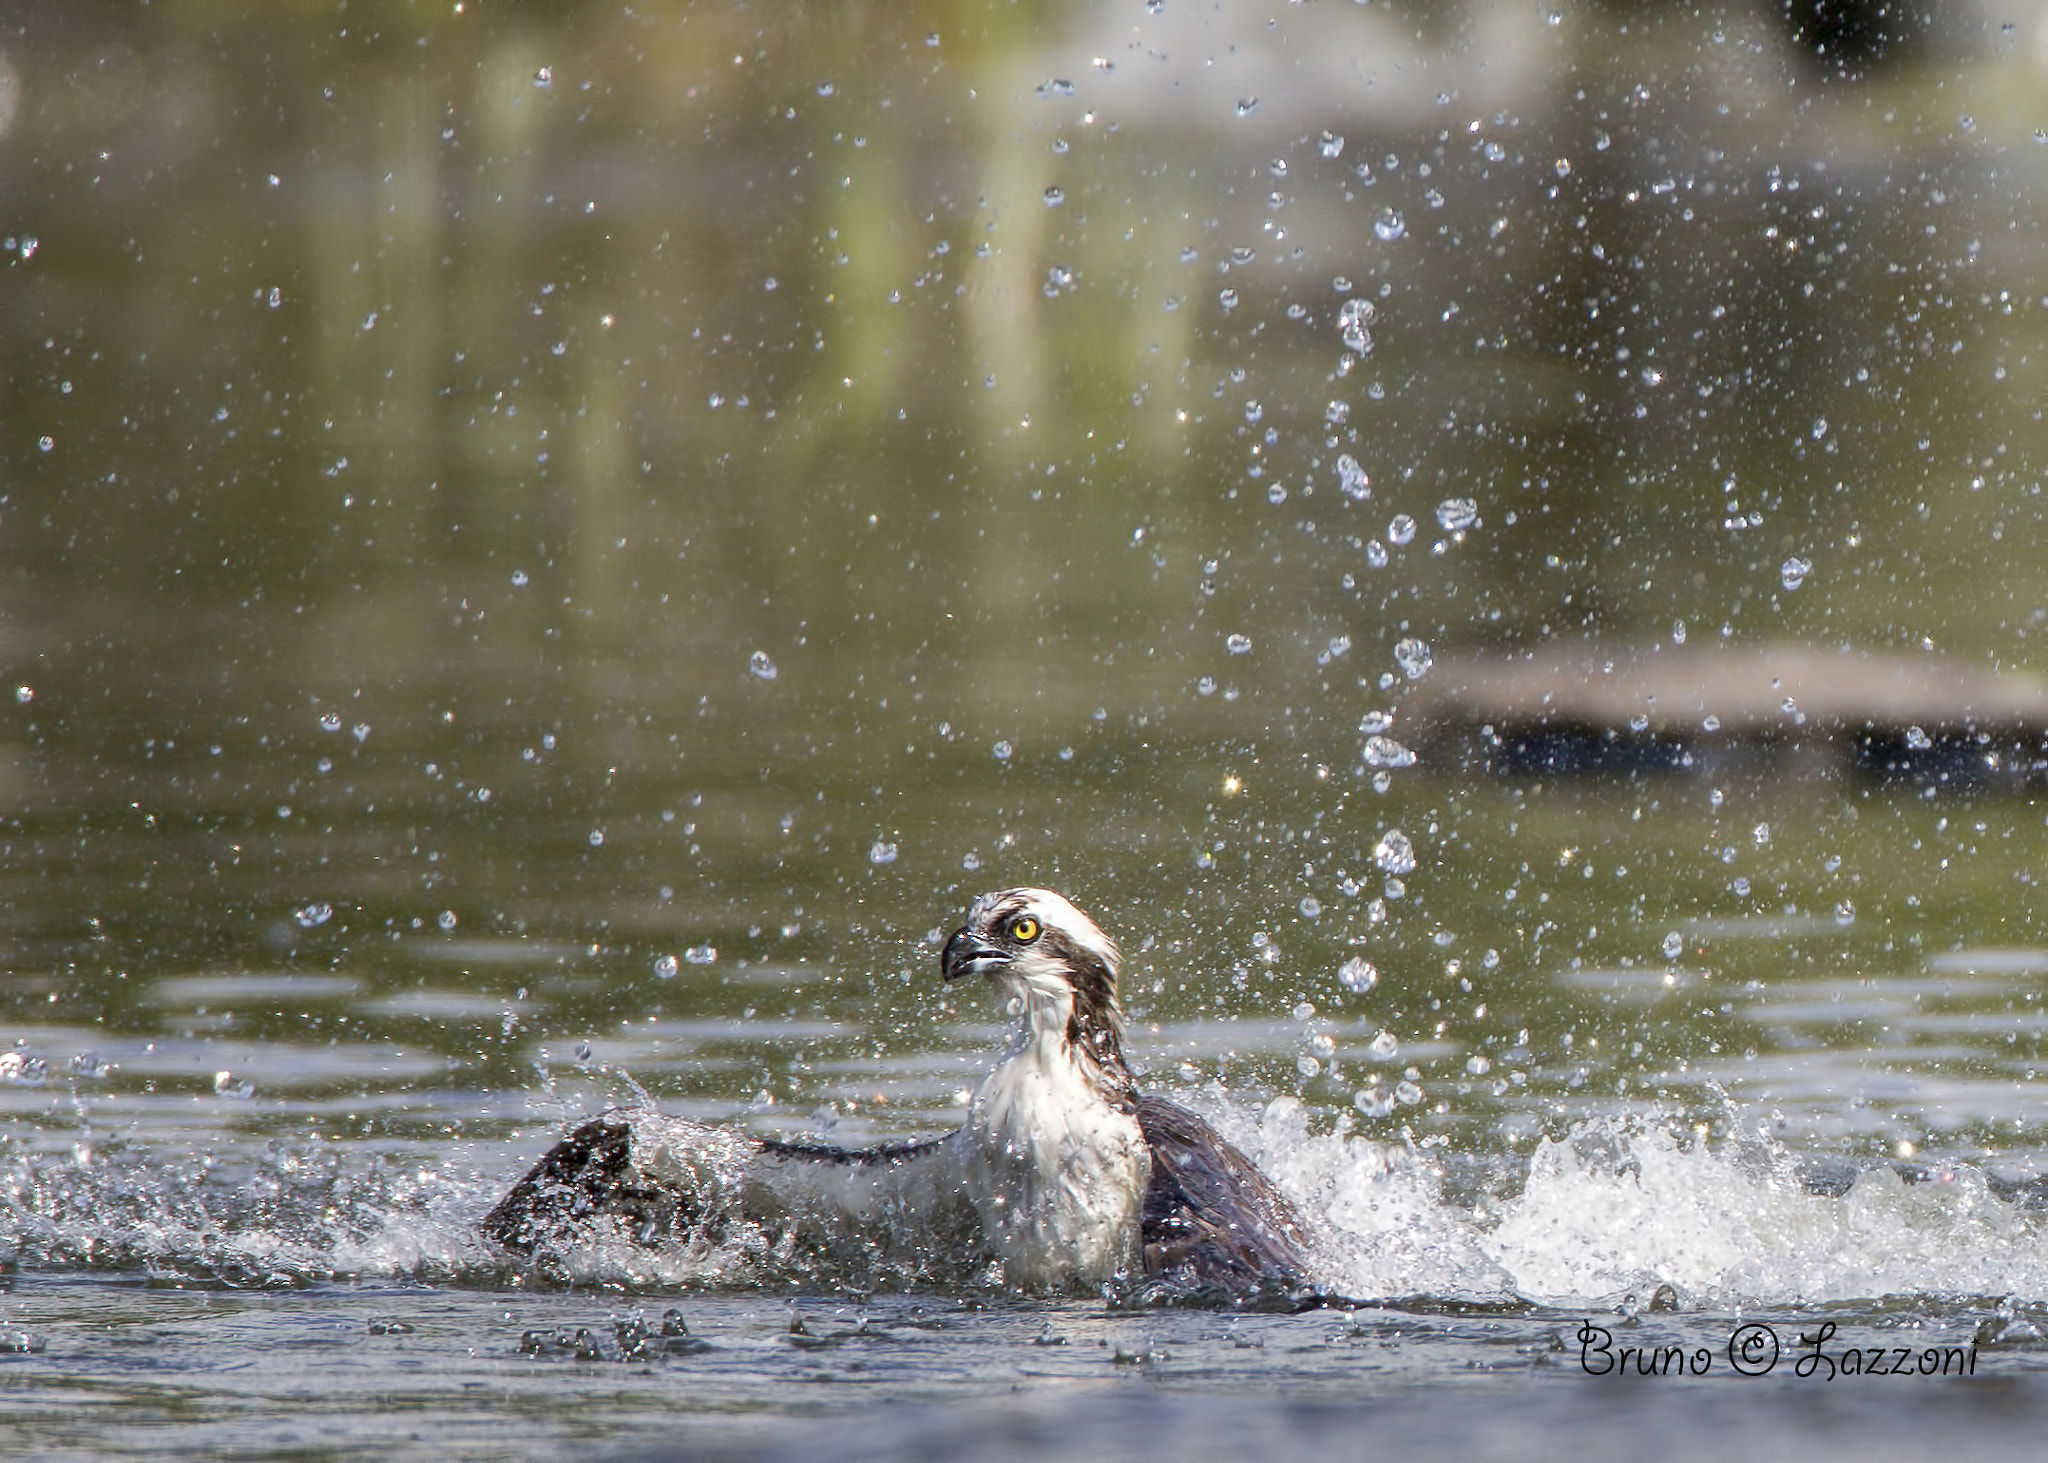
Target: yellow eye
x: 1023, y: 929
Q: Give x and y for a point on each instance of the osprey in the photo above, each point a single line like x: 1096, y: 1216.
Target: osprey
x: 1064, y: 1174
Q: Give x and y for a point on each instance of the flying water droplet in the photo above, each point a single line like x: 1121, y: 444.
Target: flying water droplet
x: 1456, y: 514
x: 759, y: 665
x: 1311, y: 906
x: 1918, y: 739
x: 1414, y: 657
x: 1401, y: 530
x: 1374, y: 1102
x: 666, y: 966
x: 1386, y: 752
x: 1353, y: 318
x: 1394, y: 853
x: 1002, y: 751
x: 1352, y: 479
x: 311, y: 916
x: 1375, y: 722
x: 1358, y: 975
x: 1674, y: 945
x: 882, y: 852
x: 227, y: 1084
x: 18, y: 1069
x: 1237, y: 644
x: 1385, y: 1047
x: 1792, y: 573
x: 1332, y: 144
x: 1389, y: 225
x: 701, y: 954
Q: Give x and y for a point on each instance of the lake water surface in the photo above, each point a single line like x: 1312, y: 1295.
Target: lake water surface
x: 545, y: 561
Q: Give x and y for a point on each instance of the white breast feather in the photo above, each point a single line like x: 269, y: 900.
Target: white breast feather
x: 1057, y: 1174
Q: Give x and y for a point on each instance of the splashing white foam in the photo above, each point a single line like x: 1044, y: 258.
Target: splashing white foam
x: 1610, y: 1209
x: 1614, y: 1209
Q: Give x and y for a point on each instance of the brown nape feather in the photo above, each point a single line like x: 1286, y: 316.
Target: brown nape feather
x: 1096, y: 1027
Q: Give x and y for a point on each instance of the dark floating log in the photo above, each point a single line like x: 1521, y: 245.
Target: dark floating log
x: 1631, y: 711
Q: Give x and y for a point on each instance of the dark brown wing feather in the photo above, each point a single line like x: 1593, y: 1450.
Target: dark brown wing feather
x: 579, y: 1178
x: 1212, y: 1220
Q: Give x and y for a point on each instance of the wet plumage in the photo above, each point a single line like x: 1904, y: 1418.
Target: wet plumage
x: 1063, y: 1174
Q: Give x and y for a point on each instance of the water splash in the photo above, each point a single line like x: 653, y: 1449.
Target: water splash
x: 1394, y: 853
x: 1414, y: 657
x: 1353, y: 319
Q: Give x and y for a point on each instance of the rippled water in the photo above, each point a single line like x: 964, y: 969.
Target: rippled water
x: 544, y: 559
x: 239, y: 1207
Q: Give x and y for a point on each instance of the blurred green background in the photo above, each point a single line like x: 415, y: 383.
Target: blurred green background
x: 493, y: 491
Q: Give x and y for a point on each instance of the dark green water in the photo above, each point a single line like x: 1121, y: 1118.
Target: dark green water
x: 550, y: 553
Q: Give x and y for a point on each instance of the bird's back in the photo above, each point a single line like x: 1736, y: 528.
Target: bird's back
x: 1212, y: 1221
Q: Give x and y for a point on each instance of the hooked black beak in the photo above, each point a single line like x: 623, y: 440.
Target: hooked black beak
x: 966, y: 953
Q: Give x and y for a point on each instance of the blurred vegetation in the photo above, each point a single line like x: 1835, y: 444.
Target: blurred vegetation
x: 665, y: 476
x: 478, y: 370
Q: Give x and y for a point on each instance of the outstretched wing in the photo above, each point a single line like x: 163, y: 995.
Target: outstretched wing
x: 1212, y: 1221
x: 588, y: 1174
x: 658, y: 1178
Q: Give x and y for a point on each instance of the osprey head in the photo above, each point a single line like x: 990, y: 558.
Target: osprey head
x: 1038, y: 946
x: 1035, y: 929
